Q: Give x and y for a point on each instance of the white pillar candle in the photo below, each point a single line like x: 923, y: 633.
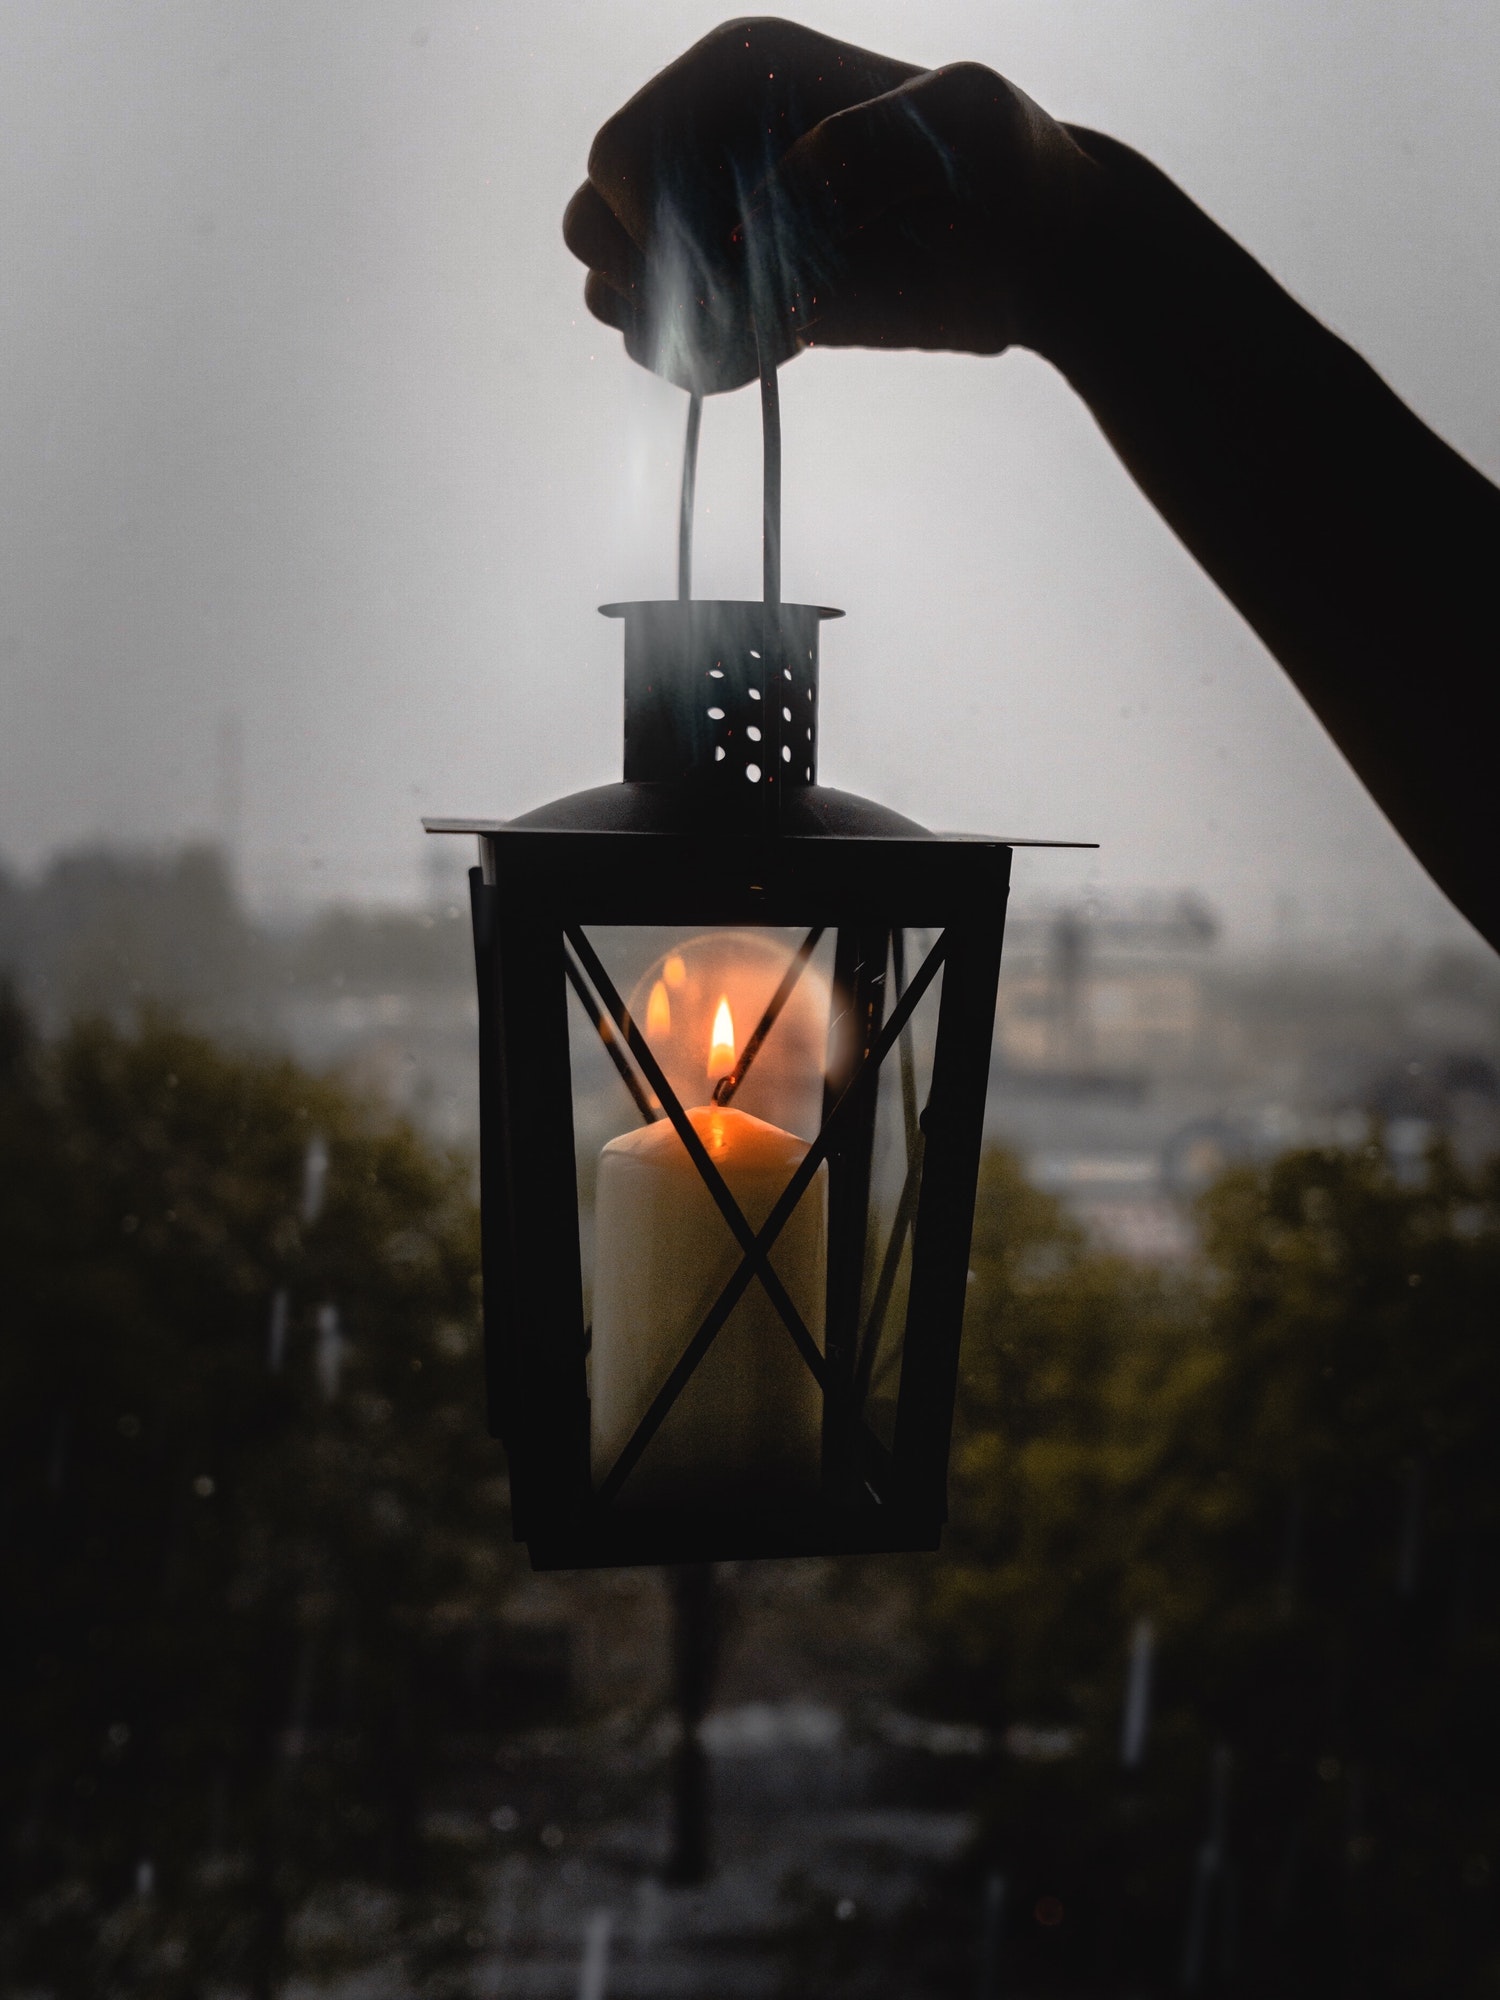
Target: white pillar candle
x: 747, y: 1424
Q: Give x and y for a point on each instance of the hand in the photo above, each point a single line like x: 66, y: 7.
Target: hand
x: 775, y: 181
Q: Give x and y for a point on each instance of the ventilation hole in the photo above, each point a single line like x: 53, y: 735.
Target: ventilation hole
x: 754, y: 694
x: 786, y: 753
x: 809, y: 694
x: 753, y: 654
x: 719, y: 754
x: 786, y: 715
x: 752, y: 772
x: 809, y: 736
x: 752, y: 732
x: 716, y: 715
x: 716, y: 673
x: 808, y: 774
x: 786, y: 673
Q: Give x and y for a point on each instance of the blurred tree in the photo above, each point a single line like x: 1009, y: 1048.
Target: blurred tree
x: 254, y: 1524
x: 1275, y: 1482
x: 253, y: 1511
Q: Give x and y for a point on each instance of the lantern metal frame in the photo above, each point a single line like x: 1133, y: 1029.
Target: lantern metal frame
x: 533, y: 900
x: 683, y: 842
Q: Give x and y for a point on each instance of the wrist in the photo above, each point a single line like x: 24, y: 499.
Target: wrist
x: 1080, y: 237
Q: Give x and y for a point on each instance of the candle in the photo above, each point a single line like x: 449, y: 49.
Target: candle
x: 747, y: 1424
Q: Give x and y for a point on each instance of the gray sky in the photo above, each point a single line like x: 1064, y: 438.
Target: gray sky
x: 305, y: 426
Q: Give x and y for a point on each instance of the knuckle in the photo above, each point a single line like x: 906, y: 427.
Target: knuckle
x: 970, y: 83
x: 731, y: 36
x: 748, y: 24
x: 608, y: 162
x: 578, y: 220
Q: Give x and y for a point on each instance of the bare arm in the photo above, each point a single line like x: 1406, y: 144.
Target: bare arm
x: 1362, y: 549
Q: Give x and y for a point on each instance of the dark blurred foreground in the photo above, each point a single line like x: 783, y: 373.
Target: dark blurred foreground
x: 1199, y: 1697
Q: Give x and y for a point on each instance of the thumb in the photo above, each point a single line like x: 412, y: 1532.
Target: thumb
x: 902, y: 199
x: 820, y: 209
x: 911, y: 144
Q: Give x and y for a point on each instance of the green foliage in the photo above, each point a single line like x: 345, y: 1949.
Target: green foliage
x: 1286, y: 1462
x: 1066, y: 1357
x: 236, y: 1591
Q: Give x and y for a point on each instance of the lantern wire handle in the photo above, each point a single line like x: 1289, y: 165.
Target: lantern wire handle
x: 770, y: 555
x: 770, y: 530
x: 689, y: 490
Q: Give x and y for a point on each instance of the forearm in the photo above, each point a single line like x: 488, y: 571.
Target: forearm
x: 1361, y: 548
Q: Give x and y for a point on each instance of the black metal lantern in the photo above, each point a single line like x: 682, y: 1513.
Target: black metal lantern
x: 735, y: 1037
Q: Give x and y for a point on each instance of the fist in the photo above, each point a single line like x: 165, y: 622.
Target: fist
x: 774, y: 189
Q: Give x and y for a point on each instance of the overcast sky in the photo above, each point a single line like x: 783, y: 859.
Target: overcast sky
x: 306, y: 434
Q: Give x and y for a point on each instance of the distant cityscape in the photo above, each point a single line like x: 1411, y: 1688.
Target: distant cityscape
x: 1135, y: 1058
x: 1135, y: 1055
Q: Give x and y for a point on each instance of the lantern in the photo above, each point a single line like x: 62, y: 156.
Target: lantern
x: 735, y: 1037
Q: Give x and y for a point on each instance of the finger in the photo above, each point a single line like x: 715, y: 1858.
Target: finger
x: 869, y: 317
x: 686, y: 356
x: 609, y: 305
x: 596, y: 237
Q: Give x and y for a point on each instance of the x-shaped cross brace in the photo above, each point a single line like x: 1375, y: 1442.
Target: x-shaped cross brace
x: 756, y: 1246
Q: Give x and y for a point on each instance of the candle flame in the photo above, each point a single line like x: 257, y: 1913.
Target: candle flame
x: 721, y: 1045
x: 658, y: 1011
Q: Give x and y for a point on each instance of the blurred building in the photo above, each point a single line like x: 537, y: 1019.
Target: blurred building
x: 1135, y: 1059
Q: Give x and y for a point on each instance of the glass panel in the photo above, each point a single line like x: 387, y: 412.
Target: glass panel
x: 895, y: 1183
x: 734, y: 1026
x: 698, y: 1389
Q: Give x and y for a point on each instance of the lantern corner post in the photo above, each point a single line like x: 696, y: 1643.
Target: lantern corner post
x: 534, y: 1334
x: 495, y: 1236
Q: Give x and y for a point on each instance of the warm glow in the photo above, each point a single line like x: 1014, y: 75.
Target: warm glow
x: 697, y: 1006
x: 721, y: 1046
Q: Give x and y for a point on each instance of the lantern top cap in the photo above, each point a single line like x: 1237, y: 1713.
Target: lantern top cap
x: 638, y: 604
x: 721, y: 694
